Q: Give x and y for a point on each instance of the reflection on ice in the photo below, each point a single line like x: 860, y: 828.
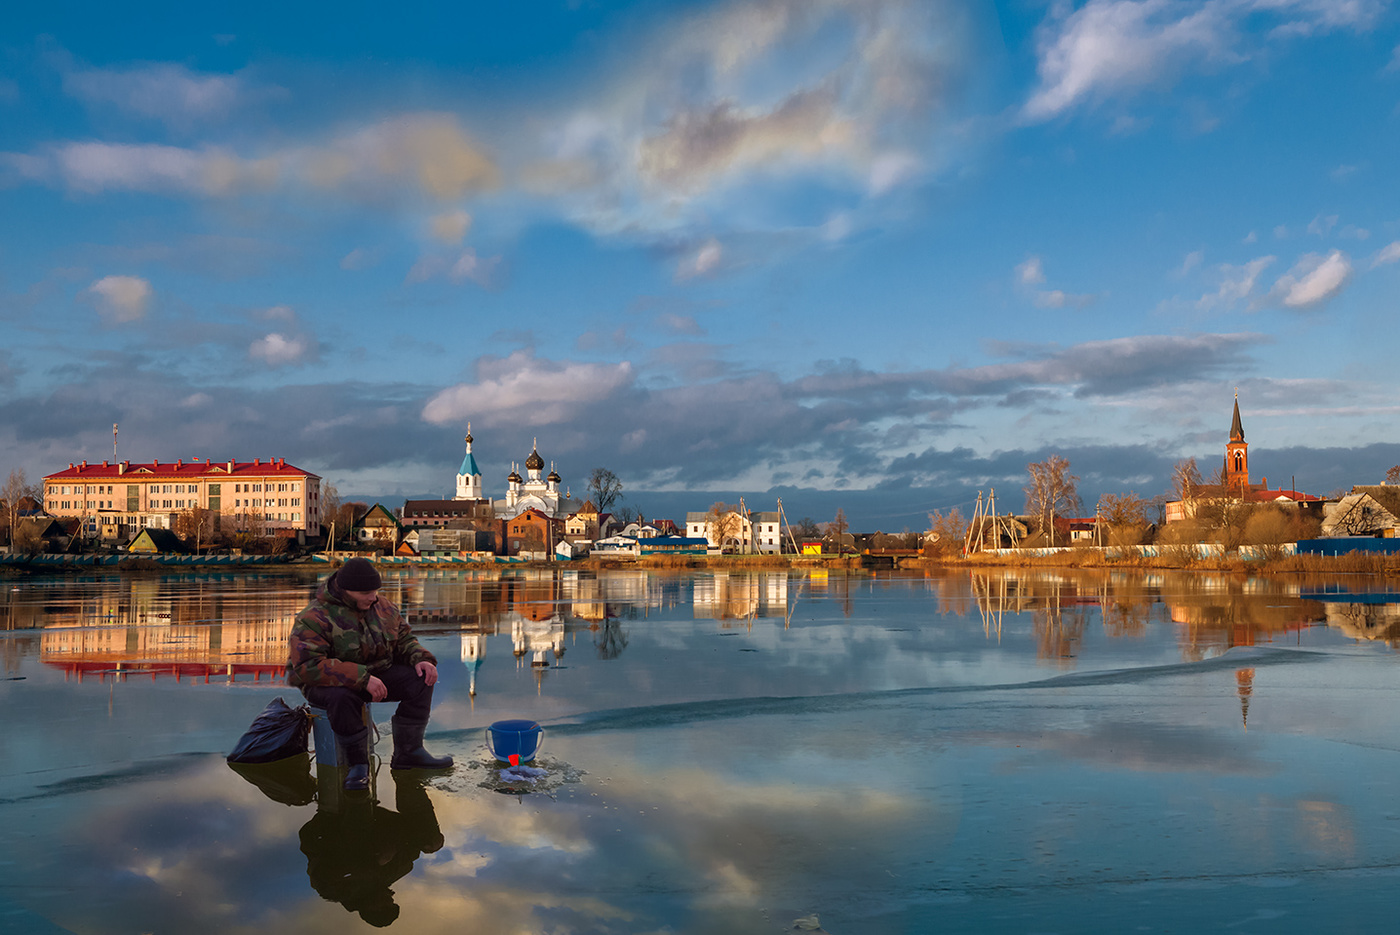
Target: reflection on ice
x: 1002, y: 751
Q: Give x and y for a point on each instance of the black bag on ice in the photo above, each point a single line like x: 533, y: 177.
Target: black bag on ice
x: 277, y: 733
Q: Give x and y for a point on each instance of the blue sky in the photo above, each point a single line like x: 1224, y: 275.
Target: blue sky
x: 877, y: 255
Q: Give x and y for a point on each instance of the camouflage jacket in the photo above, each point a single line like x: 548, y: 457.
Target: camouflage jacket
x: 334, y: 645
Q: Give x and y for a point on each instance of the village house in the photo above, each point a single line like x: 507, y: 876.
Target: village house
x: 734, y: 531
x: 378, y: 528
x: 1369, y: 510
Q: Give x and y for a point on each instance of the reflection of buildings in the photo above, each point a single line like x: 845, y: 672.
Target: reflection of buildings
x: 1213, y: 612
x: 1361, y: 616
x: 223, y: 628
x: 740, y: 597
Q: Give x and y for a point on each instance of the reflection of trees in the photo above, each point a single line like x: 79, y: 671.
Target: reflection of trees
x: 1213, y: 612
x: 610, y: 638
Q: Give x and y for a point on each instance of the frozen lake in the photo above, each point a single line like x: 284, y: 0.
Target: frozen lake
x: 996, y: 752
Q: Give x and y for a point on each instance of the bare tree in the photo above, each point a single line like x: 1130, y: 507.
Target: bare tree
x: 807, y: 528
x: 1186, y: 477
x: 249, y: 529
x: 1125, y: 516
x: 837, y: 528
x: 330, y: 506
x: 26, y: 540
x: 946, y: 532
x: 195, y: 524
x: 604, y: 488
x: 723, y: 523
x: 14, y: 490
x: 1392, y: 476
x: 1052, y: 491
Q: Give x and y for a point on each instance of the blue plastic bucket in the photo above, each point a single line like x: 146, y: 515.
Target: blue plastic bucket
x: 515, y: 741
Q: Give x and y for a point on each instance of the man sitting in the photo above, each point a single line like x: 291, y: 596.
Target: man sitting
x: 350, y: 646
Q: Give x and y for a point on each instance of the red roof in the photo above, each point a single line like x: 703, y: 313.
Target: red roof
x: 180, y: 470
x: 1295, y: 495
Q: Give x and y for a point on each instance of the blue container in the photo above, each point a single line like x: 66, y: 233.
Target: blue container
x: 515, y: 741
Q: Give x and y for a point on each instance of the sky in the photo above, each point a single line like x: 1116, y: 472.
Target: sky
x: 859, y: 254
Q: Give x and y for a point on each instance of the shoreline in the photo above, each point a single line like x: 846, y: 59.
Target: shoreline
x: 1082, y: 558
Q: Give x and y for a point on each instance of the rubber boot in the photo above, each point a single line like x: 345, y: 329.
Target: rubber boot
x: 408, y: 747
x: 356, y: 747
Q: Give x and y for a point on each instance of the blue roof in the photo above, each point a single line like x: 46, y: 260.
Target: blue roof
x: 469, y: 465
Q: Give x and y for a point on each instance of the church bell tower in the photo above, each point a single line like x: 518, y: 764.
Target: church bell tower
x: 1236, y: 471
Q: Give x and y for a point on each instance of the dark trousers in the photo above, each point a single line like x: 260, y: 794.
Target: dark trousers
x: 345, y: 707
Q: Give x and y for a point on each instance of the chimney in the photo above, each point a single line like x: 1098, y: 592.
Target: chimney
x: 121, y: 467
x: 230, y: 467
x: 84, y: 467
x: 257, y: 461
x: 155, y: 462
x: 104, y: 462
x: 70, y: 465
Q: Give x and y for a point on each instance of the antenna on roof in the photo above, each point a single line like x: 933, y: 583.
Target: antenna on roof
x: 114, y: 443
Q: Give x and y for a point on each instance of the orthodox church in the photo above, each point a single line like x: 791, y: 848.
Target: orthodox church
x: 532, y: 492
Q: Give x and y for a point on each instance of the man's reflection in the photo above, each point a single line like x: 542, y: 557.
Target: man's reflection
x: 353, y: 856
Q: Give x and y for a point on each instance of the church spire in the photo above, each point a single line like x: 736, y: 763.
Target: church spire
x: 1236, y: 427
x: 1237, y: 456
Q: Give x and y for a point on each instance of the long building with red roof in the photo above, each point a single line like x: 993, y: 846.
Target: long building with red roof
x: 118, y: 500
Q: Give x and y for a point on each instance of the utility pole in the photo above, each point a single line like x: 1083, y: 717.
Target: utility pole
x: 976, y: 519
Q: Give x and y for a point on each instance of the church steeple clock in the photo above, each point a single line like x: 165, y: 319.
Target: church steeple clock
x: 1237, y: 455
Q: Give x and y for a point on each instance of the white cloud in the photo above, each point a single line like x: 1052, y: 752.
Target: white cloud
x: 888, y: 170
x: 93, y: 167
x: 679, y: 324
x: 748, y: 100
x: 279, y: 350
x: 165, y: 92
x: 1109, y: 47
x: 1322, y: 224
x: 1388, y: 254
x: 528, y: 389
x: 410, y: 156
x: 705, y: 260
x: 278, y: 313
x: 699, y: 147
x: 121, y: 299
x: 450, y: 226
x: 1314, y: 280
x: 1058, y: 298
x: 359, y: 258
x: 458, y: 268
x: 1251, y: 237
x: 1031, y: 272
x: 1191, y: 261
x: 1236, y: 284
x: 1114, y: 49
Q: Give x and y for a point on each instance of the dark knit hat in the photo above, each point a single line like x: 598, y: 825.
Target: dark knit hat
x: 358, y: 574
